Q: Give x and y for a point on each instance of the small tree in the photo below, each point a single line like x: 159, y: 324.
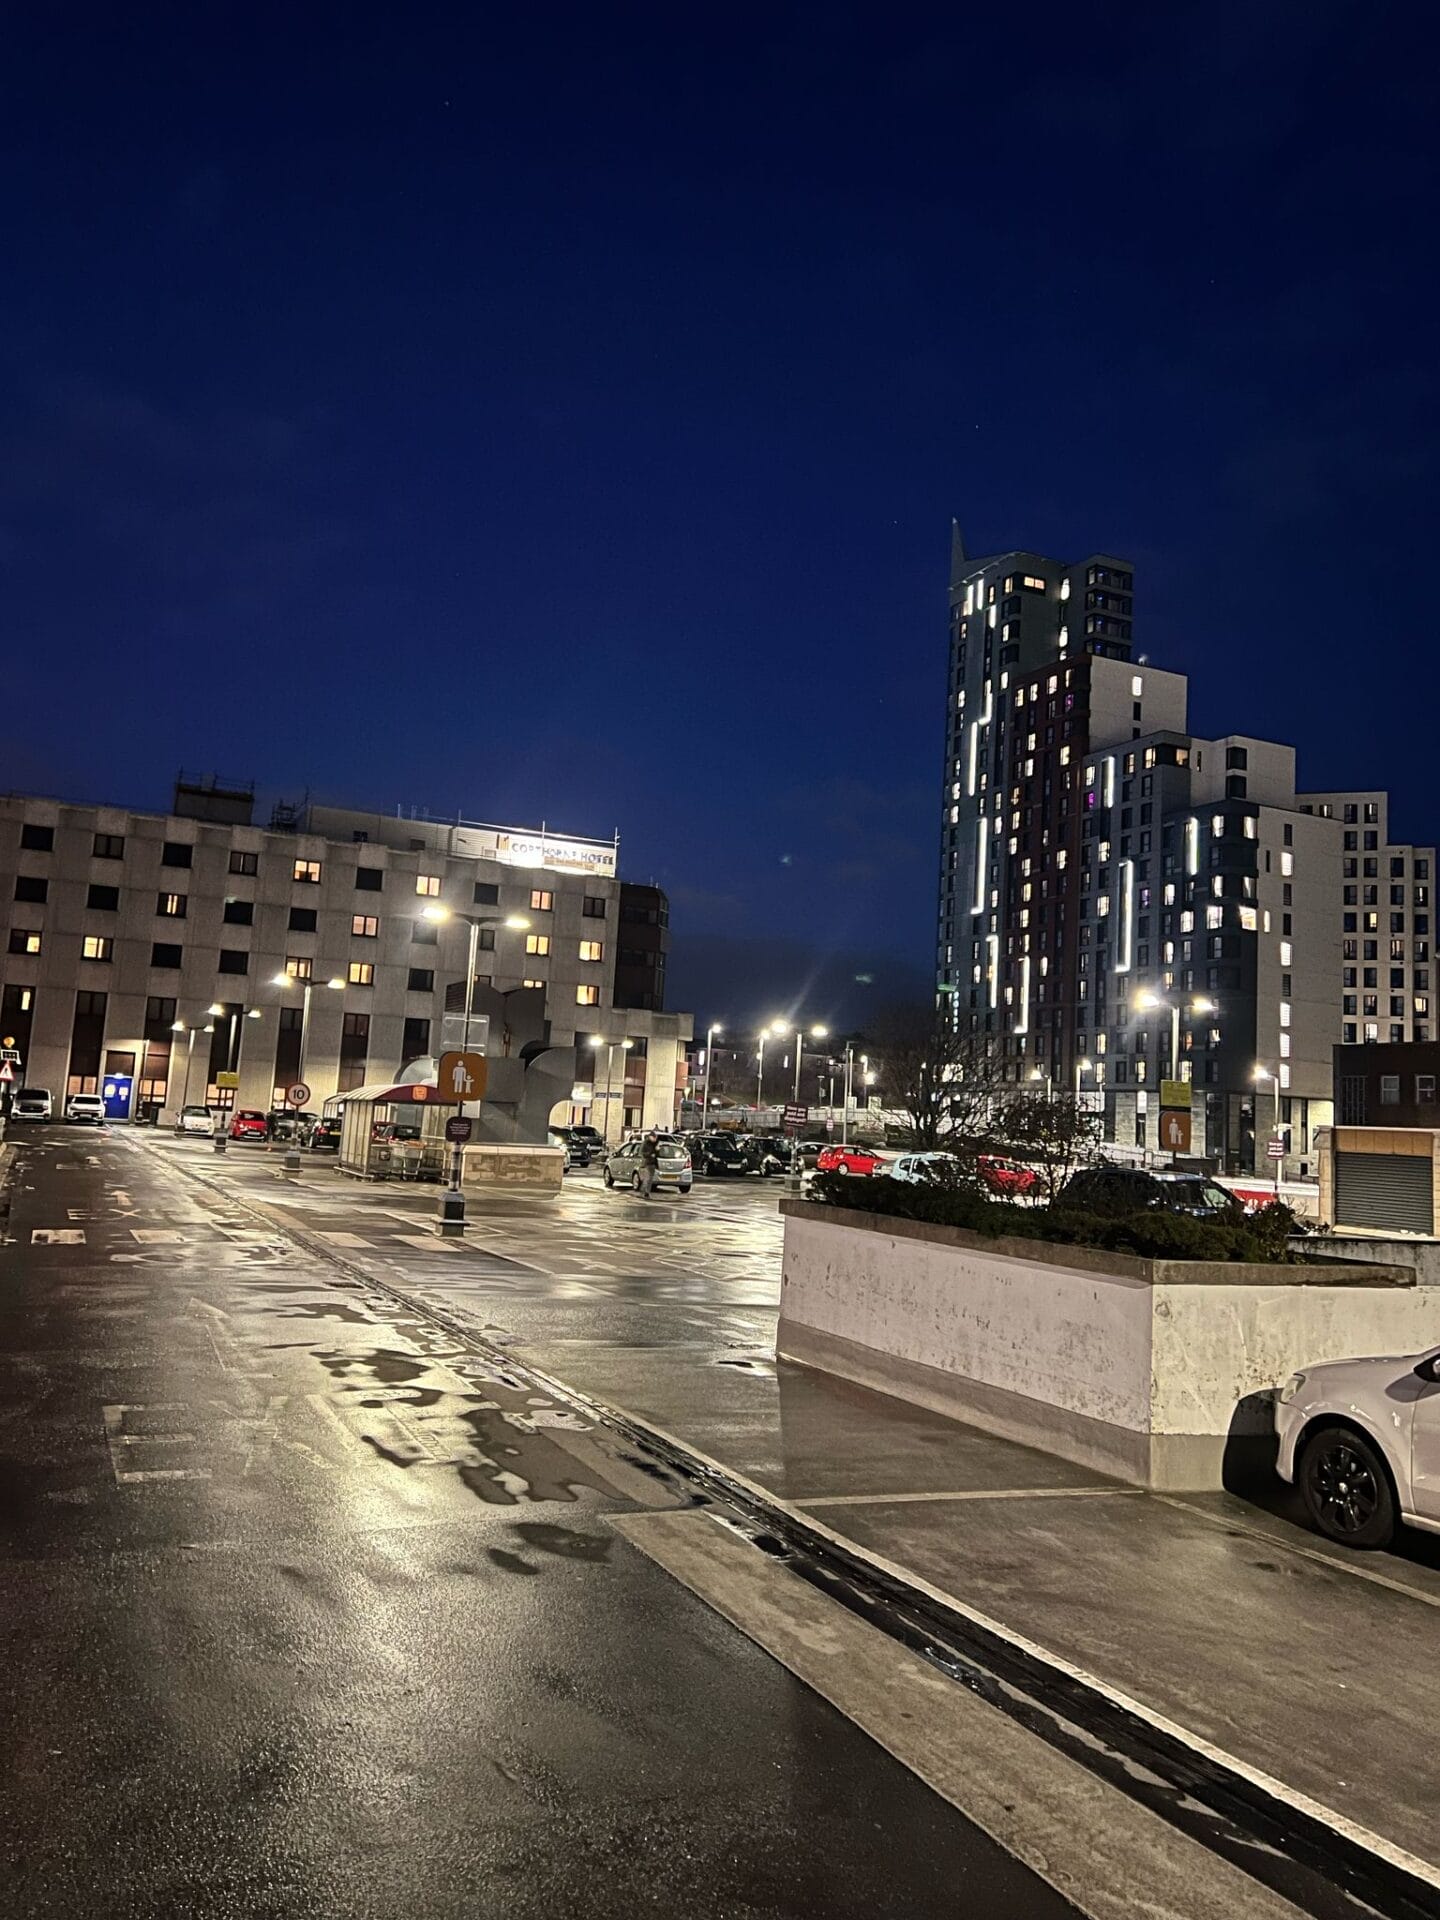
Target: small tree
x: 945, y: 1082
x: 1052, y: 1132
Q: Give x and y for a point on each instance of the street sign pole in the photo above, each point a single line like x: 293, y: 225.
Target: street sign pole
x: 461, y: 1077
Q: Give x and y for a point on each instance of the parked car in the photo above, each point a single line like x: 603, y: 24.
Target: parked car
x: 717, y: 1153
x: 591, y: 1139
x: 765, y: 1153
x: 1116, y: 1190
x: 1004, y: 1176
x: 325, y: 1136
x: 32, y: 1103
x: 1361, y: 1440
x: 577, y: 1154
x: 196, y: 1120
x: 248, y: 1124
x: 853, y: 1158
x: 622, y: 1168
x: 86, y: 1109
x: 925, y: 1169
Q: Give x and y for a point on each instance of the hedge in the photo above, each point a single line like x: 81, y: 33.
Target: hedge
x: 1153, y: 1234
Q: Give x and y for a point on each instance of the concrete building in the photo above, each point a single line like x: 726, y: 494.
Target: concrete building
x: 184, y: 948
x: 1383, y: 908
x: 1102, y: 868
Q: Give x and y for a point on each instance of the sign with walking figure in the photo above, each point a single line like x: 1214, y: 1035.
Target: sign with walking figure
x: 462, y: 1077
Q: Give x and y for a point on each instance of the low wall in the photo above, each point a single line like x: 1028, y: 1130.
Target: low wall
x: 1157, y: 1371
x: 539, y: 1169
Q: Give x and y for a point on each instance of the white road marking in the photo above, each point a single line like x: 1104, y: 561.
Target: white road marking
x: 57, y: 1237
x: 974, y: 1493
x: 157, y: 1236
x: 116, y: 1438
x: 429, y: 1241
x: 353, y: 1240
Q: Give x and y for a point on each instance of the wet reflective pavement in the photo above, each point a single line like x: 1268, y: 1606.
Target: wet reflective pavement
x: 313, y: 1606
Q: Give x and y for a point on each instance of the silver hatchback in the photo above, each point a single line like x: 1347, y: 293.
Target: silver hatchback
x: 623, y: 1168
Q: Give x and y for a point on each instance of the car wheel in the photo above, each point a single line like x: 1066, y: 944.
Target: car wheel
x: 682, y: 1191
x: 1347, y: 1490
x: 607, y: 1177
x: 636, y: 1184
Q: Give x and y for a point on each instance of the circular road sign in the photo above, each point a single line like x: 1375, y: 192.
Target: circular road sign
x: 457, y: 1130
x: 298, y: 1094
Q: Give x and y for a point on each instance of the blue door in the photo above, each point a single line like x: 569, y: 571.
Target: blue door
x: 116, y: 1088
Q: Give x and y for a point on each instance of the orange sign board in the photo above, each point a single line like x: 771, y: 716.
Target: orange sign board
x: 462, y: 1076
x: 1175, y: 1132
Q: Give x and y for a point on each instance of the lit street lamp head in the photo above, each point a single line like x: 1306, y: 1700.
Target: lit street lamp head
x: 435, y: 912
x: 517, y: 922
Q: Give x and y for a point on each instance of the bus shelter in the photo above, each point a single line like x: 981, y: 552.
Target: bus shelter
x: 390, y: 1132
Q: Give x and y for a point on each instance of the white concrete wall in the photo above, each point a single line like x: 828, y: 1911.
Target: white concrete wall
x: 1119, y: 1364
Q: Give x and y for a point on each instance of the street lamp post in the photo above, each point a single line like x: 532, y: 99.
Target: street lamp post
x: 1264, y: 1073
x: 180, y: 1027
x: 1040, y: 1073
x: 597, y: 1041
x: 816, y: 1033
x: 1082, y: 1067
x: 710, y: 1033
x: 286, y: 980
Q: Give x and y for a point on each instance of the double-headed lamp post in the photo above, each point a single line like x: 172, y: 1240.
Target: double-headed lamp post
x: 1082, y: 1067
x: 816, y: 1033
x: 775, y: 1028
x: 292, y: 1145
x: 1042, y: 1073
x: 1148, y: 1002
x: 710, y: 1033
x: 180, y: 1027
x: 516, y: 922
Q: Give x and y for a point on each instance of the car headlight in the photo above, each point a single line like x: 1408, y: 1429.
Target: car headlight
x: 1291, y: 1387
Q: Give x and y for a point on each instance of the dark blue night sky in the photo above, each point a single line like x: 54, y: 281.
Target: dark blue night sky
x: 558, y: 412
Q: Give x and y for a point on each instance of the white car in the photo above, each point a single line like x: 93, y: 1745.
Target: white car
x: 924, y: 1169
x: 86, y: 1107
x: 196, y: 1120
x: 32, y: 1103
x: 1361, y: 1440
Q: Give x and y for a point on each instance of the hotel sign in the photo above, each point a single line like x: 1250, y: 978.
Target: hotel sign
x: 527, y: 847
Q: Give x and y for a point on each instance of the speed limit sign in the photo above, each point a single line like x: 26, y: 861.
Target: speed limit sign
x: 298, y: 1094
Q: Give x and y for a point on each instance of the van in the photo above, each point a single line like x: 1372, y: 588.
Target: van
x: 32, y: 1103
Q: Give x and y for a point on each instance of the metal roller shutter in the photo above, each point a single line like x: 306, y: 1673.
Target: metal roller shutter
x: 1384, y: 1190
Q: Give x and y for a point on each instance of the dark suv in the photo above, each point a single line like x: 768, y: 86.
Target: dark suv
x: 1115, y: 1190
x: 716, y: 1153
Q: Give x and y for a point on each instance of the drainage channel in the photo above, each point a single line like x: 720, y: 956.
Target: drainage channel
x: 1300, y: 1855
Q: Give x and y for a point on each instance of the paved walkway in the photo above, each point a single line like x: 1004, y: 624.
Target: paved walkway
x: 1303, y: 1664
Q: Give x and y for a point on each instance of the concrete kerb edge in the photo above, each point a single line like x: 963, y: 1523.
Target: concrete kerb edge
x: 619, y: 1419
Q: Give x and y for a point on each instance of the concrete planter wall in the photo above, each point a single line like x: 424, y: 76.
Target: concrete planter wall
x: 1157, y: 1371
x: 538, y: 1169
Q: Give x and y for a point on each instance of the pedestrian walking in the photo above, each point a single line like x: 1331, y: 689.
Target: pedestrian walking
x: 649, y: 1164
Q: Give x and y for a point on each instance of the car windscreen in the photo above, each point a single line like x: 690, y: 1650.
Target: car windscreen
x: 197, y: 1113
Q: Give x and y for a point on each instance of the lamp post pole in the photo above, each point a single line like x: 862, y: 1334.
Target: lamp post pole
x: 760, y: 1076
x: 709, y: 1069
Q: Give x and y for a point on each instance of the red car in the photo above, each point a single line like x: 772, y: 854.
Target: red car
x: 1002, y: 1176
x: 851, y: 1159
x: 249, y: 1126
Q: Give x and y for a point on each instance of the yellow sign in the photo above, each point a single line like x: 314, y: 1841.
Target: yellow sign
x: 227, y: 1080
x: 1175, y: 1093
x: 1175, y: 1132
x: 462, y: 1076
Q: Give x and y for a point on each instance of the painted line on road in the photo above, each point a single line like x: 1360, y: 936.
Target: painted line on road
x: 1230, y: 1524
x: 355, y: 1241
x: 57, y: 1237
x: 157, y: 1236
x: 972, y: 1493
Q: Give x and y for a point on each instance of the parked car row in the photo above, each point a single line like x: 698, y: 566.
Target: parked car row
x: 37, y: 1103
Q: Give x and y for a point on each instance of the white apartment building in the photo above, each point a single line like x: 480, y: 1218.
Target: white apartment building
x: 1383, y: 912
x: 187, y: 948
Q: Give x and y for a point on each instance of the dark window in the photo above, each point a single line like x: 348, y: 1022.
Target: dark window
x: 244, y: 863
x: 177, y: 853
x: 1236, y: 759
x: 103, y: 899
x: 1235, y: 786
x: 37, y: 839
x: 594, y: 906
x: 159, y: 1012
x: 416, y: 1040
x: 487, y: 939
x: 369, y: 879
x: 240, y: 913
x: 233, y: 960
x: 303, y: 920
x: 164, y: 954
x: 487, y: 894
x: 27, y: 887
x: 109, y: 846
x: 422, y: 980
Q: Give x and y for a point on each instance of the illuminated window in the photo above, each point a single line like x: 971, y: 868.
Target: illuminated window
x: 1284, y: 1046
x: 428, y: 884
x: 1249, y: 826
x: 1035, y: 584
x: 1248, y: 920
x: 1214, y: 917
x: 587, y: 996
x: 591, y: 950
x: 537, y: 943
x: 1137, y: 686
x: 22, y: 942
x: 1285, y: 952
x: 1287, y: 862
x: 361, y: 973
x: 1217, y: 826
x: 307, y: 870
x: 1064, y: 589
x: 541, y: 901
x: 97, y: 946
x: 172, y: 905
x: 299, y: 968
x: 364, y: 926
x: 532, y: 983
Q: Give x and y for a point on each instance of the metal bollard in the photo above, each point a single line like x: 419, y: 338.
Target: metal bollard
x: 221, y: 1141
x: 452, y: 1214
x: 292, y: 1159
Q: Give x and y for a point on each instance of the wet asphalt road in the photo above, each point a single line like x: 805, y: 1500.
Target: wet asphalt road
x: 308, y: 1610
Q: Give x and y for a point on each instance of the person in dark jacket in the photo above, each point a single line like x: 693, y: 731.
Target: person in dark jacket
x: 649, y: 1164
